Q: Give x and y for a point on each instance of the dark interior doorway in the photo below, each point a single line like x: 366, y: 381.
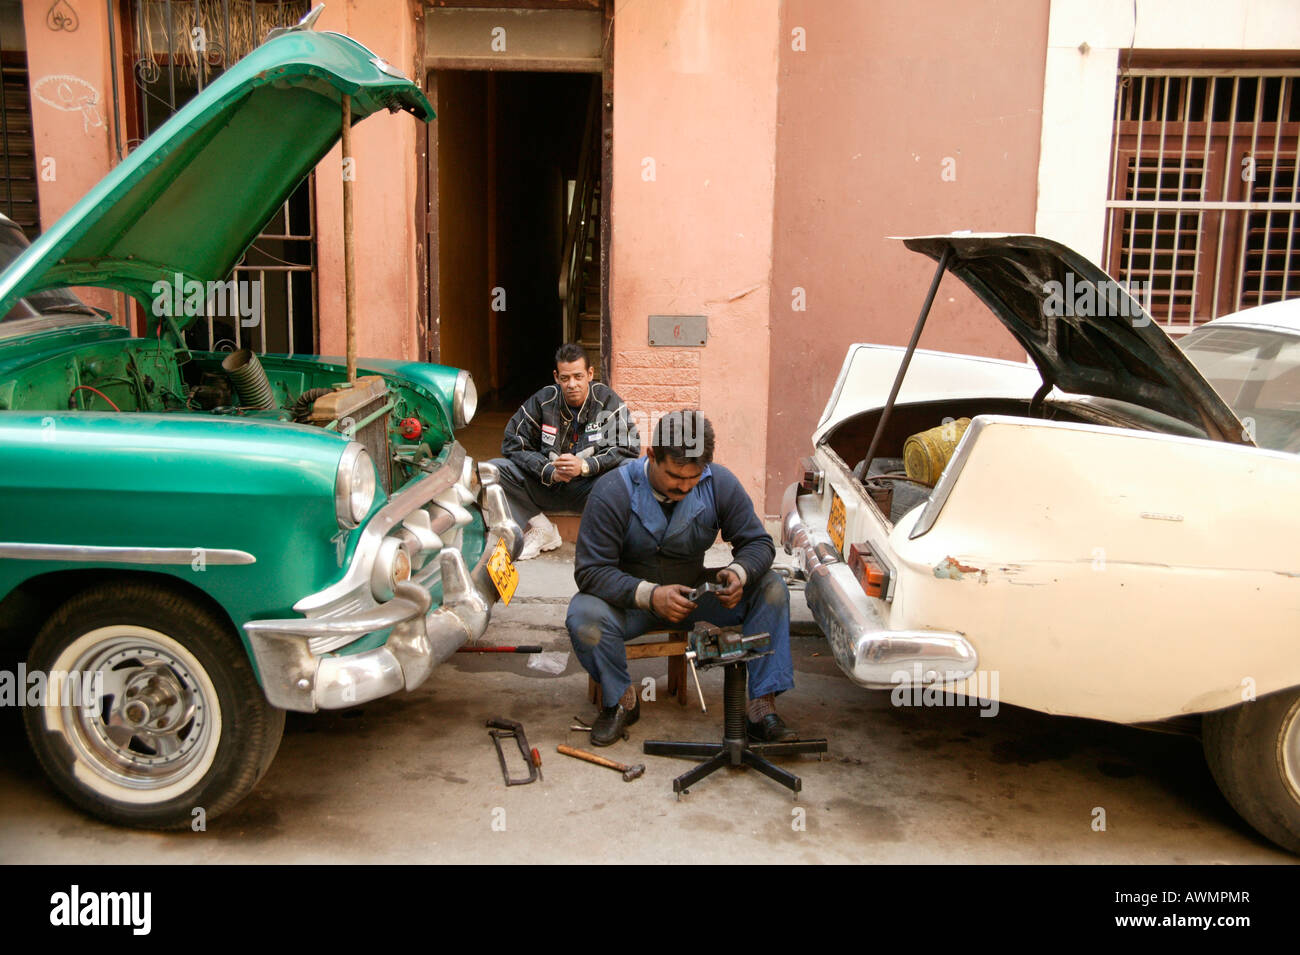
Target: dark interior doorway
x: 505, y: 170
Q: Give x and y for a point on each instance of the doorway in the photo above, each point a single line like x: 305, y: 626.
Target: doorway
x: 508, y: 171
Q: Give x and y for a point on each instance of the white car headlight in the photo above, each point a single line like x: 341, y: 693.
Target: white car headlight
x: 354, y: 487
x: 464, y: 400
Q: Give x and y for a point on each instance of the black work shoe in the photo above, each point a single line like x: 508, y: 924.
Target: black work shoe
x: 770, y: 729
x: 611, y: 722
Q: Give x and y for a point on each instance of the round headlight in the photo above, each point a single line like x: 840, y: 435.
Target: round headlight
x: 464, y: 400
x: 354, y: 487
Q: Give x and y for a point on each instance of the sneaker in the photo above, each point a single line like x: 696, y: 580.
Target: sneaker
x: 539, y: 538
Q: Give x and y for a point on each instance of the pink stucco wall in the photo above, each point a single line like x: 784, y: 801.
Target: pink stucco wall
x: 72, y: 104
x: 879, y: 100
x: 384, y: 147
x: 695, y: 94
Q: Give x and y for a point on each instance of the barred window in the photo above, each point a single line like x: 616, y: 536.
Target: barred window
x: 1201, y: 212
x: 176, y: 50
x: 17, y: 143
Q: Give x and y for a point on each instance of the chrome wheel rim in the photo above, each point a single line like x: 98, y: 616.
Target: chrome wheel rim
x: 152, y: 719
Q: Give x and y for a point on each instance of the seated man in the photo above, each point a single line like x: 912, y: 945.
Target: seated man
x: 641, y: 551
x: 557, y: 444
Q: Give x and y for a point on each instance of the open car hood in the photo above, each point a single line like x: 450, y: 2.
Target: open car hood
x: 1084, y: 343
x: 193, y: 196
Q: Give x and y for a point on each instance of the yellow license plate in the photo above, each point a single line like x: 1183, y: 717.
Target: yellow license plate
x: 835, y: 523
x: 503, y: 572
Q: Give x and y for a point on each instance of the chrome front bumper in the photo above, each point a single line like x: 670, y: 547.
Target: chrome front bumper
x: 294, y: 677
x: 866, y: 651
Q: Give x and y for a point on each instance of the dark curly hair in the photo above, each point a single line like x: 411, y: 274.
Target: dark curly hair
x: 684, y: 435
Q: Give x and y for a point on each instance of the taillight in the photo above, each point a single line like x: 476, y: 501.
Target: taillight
x: 811, y: 477
x: 871, y: 573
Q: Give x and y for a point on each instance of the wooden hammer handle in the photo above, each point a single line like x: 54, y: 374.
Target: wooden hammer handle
x: 590, y: 757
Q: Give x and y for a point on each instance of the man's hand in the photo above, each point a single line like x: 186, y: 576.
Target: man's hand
x: 732, y: 589
x: 566, y: 468
x: 669, y: 601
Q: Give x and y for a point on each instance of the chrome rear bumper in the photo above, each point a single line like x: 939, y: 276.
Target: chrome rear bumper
x: 866, y: 651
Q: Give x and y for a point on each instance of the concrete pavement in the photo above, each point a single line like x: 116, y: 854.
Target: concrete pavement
x: 414, y: 778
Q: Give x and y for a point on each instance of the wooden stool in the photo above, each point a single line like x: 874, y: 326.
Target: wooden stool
x: 673, y: 647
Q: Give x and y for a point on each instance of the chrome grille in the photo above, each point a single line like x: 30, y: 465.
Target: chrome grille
x: 374, y: 436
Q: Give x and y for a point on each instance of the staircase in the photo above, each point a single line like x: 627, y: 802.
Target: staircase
x: 580, y: 264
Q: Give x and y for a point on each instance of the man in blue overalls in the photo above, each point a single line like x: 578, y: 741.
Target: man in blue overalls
x: 641, y: 550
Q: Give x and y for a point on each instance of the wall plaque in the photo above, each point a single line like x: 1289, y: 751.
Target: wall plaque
x: 679, y: 330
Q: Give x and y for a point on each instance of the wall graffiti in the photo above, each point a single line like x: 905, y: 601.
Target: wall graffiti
x: 62, y: 16
x: 71, y: 94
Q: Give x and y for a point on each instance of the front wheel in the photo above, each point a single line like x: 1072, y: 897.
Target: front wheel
x: 1254, y: 754
x: 151, y: 714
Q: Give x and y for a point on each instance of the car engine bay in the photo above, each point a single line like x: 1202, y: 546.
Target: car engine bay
x: 398, y: 424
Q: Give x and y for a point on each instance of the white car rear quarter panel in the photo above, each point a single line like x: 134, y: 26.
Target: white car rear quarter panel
x: 1110, y: 574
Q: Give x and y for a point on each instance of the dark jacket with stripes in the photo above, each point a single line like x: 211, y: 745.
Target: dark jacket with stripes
x: 545, y: 427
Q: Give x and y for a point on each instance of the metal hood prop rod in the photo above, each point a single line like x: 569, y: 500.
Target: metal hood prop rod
x: 349, y: 265
x: 861, y: 469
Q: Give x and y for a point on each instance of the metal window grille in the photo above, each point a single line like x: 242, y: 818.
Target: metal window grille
x: 17, y: 144
x: 177, y: 49
x: 279, y: 272
x: 1202, y: 209
x: 17, y: 149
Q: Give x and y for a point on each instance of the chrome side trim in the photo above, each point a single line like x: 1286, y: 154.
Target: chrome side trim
x: 939, y: 496
x: 868, y: 653
x: 89, y: 554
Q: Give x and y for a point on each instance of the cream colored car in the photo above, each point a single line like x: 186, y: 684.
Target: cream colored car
x: 1106, y: 539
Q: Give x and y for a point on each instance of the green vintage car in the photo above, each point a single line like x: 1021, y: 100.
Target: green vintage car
x: 193, y: 543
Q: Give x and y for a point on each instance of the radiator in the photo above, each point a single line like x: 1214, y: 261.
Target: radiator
x: 363, y: 409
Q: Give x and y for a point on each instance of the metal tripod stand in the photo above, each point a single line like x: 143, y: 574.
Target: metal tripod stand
x: 735, y: 748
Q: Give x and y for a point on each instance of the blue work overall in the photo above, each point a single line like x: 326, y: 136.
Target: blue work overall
x: 671, y: 550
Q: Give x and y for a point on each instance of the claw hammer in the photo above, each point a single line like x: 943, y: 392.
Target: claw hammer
x: 629, y: 772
